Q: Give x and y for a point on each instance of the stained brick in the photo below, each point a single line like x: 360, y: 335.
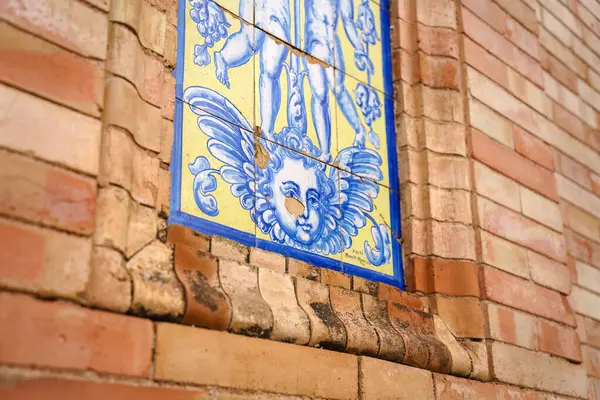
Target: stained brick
x: 558, y: 339
x: 486, y: 63
x: 450, y: 277
x: 391, y: 344
x: 335, y: 278
x: 573, y: 170
x: 453, y: 388
x: 44, y: 194
x: 440, y: 13
x: 496, y: 186
x: 43, y: 261
x: 508, y: 325
x: 577, y: 195
x: 199, y: 356
x: 109, y: 285
x: 362, y: 338
x: 206, y: 304
x: 147, y: 21
x: 225, y: 248
x: 525, y: 295
x: 491, y: 123
x: 251, y: 315
x: 439, y: 72
x: 290, y: 323
x: 463, y: 316
x: 438, y: 41
x: 64, y: 336
x: 267, y: 259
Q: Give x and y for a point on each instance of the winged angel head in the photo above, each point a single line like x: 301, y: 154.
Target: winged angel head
x: 290, y: 195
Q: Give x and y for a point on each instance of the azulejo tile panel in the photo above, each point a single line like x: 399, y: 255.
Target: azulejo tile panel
x: 284, y: 132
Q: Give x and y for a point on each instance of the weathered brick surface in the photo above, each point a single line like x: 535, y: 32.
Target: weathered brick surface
x: 526, y: 295
x: 206, y: 304
x: 537, y: 370
x: 326, y: 329
x: 64, y: 336
x: 510, y: 326
x: 19, y: 131
x: 72, y: 24
x: 386, y: 380
x: 43, y: 261
x: 109, y: 284
x: 40, y: 193
x: 64, y: 389
x: 194, y: 355
x: 361, y: 336
x: 290, y: 323
x: 251, y: 315
x: 37, y: 66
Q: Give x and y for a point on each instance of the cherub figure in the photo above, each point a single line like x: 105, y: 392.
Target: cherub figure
x: 333, y: 204
x: 323, y: 42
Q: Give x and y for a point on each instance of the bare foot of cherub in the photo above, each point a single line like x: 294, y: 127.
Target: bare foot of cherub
x: 221, y: 69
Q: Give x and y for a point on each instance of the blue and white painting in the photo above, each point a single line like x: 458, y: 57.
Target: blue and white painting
x: 284, y: 130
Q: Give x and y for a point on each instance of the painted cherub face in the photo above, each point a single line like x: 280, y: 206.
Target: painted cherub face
x: 297, y: 200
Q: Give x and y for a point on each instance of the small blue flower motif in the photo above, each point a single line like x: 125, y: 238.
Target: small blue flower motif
x: 366, y: 23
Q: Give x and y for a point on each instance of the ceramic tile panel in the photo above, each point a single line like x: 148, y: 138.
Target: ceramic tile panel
x: 300, y: 154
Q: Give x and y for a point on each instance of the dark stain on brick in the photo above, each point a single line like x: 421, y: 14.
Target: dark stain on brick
x: 203, y: 292
x: 256, y: 331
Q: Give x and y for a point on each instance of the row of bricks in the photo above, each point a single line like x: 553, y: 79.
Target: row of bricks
x: 68, y: 337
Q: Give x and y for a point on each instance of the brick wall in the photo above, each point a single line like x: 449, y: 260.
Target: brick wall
x: 497, y: 115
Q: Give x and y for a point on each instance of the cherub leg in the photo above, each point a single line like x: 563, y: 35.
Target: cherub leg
x: 272, y: 56
x: 238, y: 48
x: 318, y: 80
x: 346, y: 103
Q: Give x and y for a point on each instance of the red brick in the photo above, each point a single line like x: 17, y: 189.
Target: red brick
x: 480, y: 59
x: 559, y: 71
x: 533, y: 148
x: 517, y: 228
x: 453, y: 388
x: 525, y: 295
x: 573, y: 170
x: 558, y: 340
x: 582, y: 248
x: 43, y: 261
x: 450, y: 277
x: 44, y: 194
x: 462, y: 315
x: 496, y: 44
x: 335, y: 278
x: 572, y: 124
x: 63, y: 389
x: 591, y: 329
x: 205, y: 357
x: 43, y: 68
x: 439, y: 72
x: 510, y: 326
x: 519, y: 10
x: 27, y: 131
x: 591, y: 360
x: 438, y: 41
x: 64, y: 336
x: 439, y: 13
x: 509, y: 163
x: 504, y: 24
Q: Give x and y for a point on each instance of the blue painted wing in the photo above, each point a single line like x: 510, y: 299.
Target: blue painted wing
x: 230, y: 140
